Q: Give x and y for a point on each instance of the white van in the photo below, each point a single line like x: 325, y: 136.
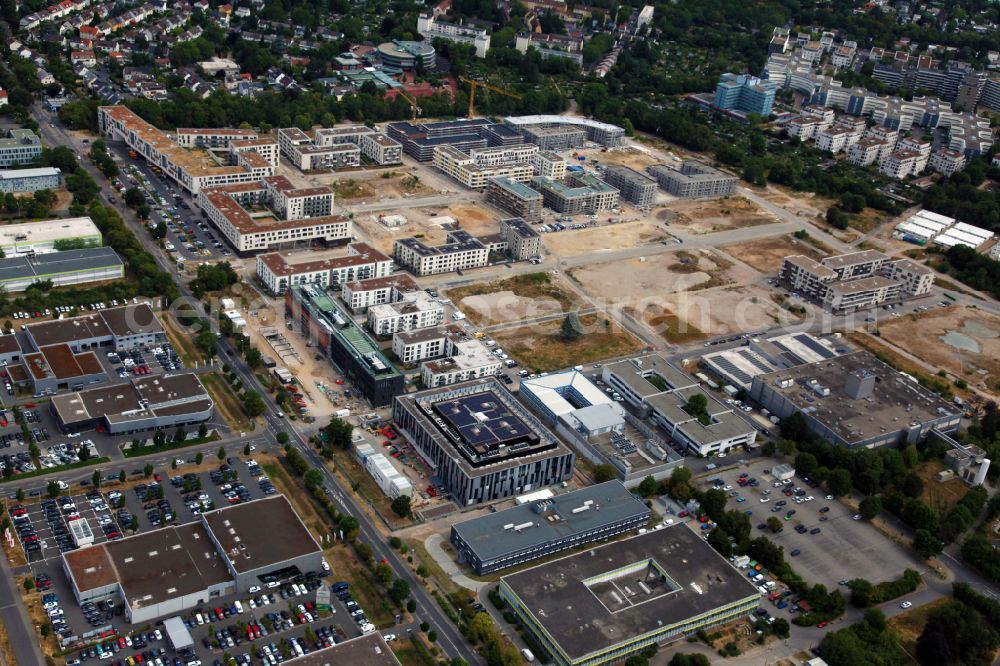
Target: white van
x: 528, y: 655
x: 239, y: 606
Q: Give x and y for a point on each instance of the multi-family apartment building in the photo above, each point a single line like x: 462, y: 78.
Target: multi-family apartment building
x: 855, y: 281
x: 411, y: 347
x: 693, y: 180
x: 431, y: 27
x: 605, y: 134
x: 548, y: 164
x: 211, y: 137
x: 465, y: 359
x: 459, y: 252
x: 636, y: 188
x: 515, y: 198
x: 523, y: 242
x: 301, y: 216
x: 837, y: 138
x: 868, y: 151
x: 380, y: 149
x: 328, y: 150
x: 361, y: 294
x: 551, y: 45
x: 900, y: 164
x: 475, y: 169
x: 420, y: 139
x: 582, y: 193
x: 189, y: 170
x: 947, y: 162
x: 414, y: 310
x: 278, y: 272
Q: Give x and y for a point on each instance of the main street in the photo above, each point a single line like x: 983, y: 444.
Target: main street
x: 449, y: 638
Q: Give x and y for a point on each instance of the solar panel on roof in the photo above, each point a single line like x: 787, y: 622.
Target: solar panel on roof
x: 753, y: 360
x: 815, y: 346
x: 730, y: 368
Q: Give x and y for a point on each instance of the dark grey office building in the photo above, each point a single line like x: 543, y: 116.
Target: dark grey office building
x: 480, y: 442
x: 538, y: 529
x: 693, y: 180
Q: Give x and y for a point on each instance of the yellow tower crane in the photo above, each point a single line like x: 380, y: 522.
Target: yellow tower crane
x: 472, y: 93
x: 412, y: 102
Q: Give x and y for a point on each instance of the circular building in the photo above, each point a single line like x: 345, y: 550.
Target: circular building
x: 403, y: 56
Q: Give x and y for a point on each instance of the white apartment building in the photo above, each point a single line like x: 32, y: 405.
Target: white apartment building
x: 914, y: 279
x: 883, y: 133
x: 947, y: 162
x: 293, y: 203
x: 189, y: 170
x: 411, y: 347
x: 843, y: 55
x: 429, y: 27
x: 548, y: 164
x: 868, y: 151
x: 278, y: 272
x: 462, y: 251
x: 902, y: 163
x: 837, y: 138
x: 413, y: 311
x: 211, y: 137
x: 474, y: 170
x: 266, y: 148
x: 381, y: 149
x: 467, y: 359
x: 359, y: 295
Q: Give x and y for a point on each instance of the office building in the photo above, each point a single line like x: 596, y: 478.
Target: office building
x: 361, y: 294
x: 460, y: 251
x: 431, y: 27
x: 627, y: 596
x: 856, y: 401
x: 420, y: 139
x: 482, y: 444
x: 149, y: 402
x: 299, y: 217
x: 745, y: 93
x: 636, y: 188
x: 20, y: 147
x: 178, y: 567
x: 738, y: 366
x: 523, y: 242
x: 605, y: 134
x: 407, y: 56
x: 277, y: 272
x: 188, y: 169
x: 541, y: 528
x: 328, y: 150
x: 693, y: 180
x: 29, y: 180
x: 413, y: 310
x: 331, y: 330
x: 662, y: 393
x: 70, y: 267
x: 580, y: 194
x: 56, y: 368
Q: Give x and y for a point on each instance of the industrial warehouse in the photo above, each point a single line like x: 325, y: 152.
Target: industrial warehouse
x: 856, y: 400
x: 606, y: 603
x: 166, y: 571
x: 484, y: 445
x: 70, y: 267
x: 540, y: 528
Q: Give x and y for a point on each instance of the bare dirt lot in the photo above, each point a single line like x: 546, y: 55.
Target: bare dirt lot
x: 428, y: 224
x: 629, y: 157
x: 765, y: 255
x: 703, y: 216
x: 541, y: 347
x: 475, y: 219
x: 513, y: 299
x: 640, y: 279
x: 360, y: 185
x: 803, y: 204
x: 571, y: 243
x: 725, y: 310
x: 964, y: 341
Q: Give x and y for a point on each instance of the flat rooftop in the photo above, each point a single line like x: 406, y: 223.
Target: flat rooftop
x: 52, y: 264
x: 897, y: 400
x: 121, y: 322
x: 368, y: 650
x: 248, y: 547
x: 608, y: 595
x: 140, y: 398
x: 286, y: 265
x: 151, y: 567
x: 635, y: 374
x: 59, y: 362
x: 537, y: 523
x: 47, y: 231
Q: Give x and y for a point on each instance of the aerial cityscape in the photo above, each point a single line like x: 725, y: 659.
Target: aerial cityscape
x: 456, y: 333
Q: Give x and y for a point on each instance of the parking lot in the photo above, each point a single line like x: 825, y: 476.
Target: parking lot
x: 821, y: 538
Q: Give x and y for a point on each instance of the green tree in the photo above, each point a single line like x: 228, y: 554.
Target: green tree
x: 572, y: 328
x: 199, y: 458
x: 806, y: 464
x: 246, y: 449
x: 313, y: 478
x: 399, y: 591
x: 781, y: 628
x: 253, y: 404
x: 203, y: 431
x: 19, y: 495
x: 870, y: 506
x: 383, y: 573
x: 147, y: 470
x: 774, y: 524
x: 83, y: 453
x: 401, y: 506
x: 221, y: 453
x: 339, y: 433
x: 604, y: 472
x: 282, y: 438
x: 839, y: 482
x: 121, y: 476
x: 95, y: 478
x: 912, y: 486
x: 29, y: 584
x: 53, y: 489
x: 926, y: 544
x: 647, y: 487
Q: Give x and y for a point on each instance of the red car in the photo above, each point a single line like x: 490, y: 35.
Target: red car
x: 158, y: 477
x: 683, y: 514
x: 218, y: 613
x: 822, y: 624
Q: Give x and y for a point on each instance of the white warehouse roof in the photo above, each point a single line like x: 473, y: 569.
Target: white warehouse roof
x: 549, y: 391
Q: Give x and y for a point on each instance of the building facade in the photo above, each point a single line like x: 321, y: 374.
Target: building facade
x: 694, y: 180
